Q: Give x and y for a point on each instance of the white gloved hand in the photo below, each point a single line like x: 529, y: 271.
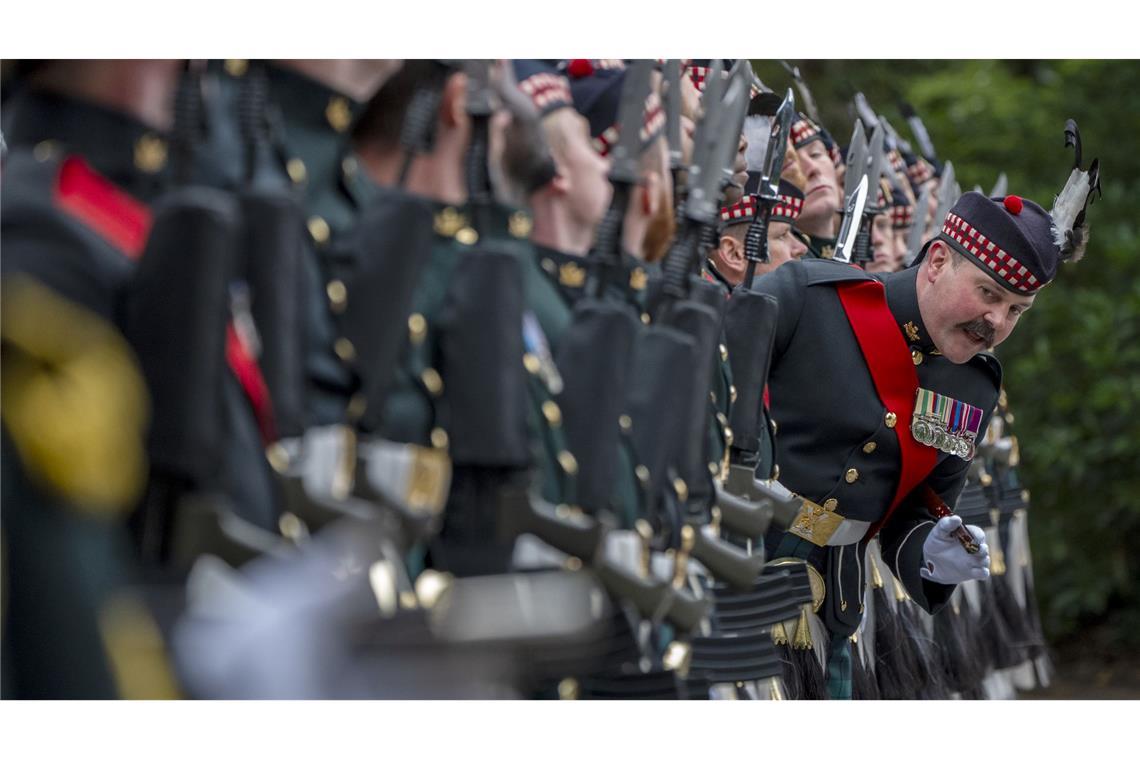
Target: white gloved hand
x: 945, y: 560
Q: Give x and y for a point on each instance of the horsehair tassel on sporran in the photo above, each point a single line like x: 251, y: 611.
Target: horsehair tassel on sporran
x: 863, y: 684
x: 812, y: 680
x: 959, y: 665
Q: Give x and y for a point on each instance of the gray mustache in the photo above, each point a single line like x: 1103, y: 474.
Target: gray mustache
x: 981, y: 327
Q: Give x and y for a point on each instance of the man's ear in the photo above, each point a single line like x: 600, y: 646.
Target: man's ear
x: 453, y: 106
x: 937, y: 260
x: 730, y: 250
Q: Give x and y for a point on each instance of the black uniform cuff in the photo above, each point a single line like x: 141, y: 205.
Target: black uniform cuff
x: 908, y: 561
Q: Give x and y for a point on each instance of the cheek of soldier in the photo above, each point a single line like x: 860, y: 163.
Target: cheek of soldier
x: 882, y: 245
x: 588, y: 174
x: 900, y: 245
x: 662, y: 225
x: 792, y: 171
x: 821, y: 194
x: 783, y: 246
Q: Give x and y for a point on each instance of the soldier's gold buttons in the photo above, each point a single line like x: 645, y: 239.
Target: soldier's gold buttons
x: 568, y: 463
x: 338, y: 295
x: 150, y: 154
x: 439, y: 438
x: 732, y: 393
x: 625, y: 422
x: 916, y: 357
x: 723, y: 352
x: 869, y: 448
x: 432, y: 381
x: 568, y: 688
x: 851, y: 475
x: 728, y: 437
x: 831, y: 505
x: 642, y: 473
x: 638, y: 279
x: 775, y: 427
x: 45, y: 150
x: 552, y: 413
x: 467, y: 236
x: 721, y: 419
x: 573, y: 564
x: 338, y: 114
x: 775, y: 472
x: 714, y: 469
x: 344, y: 349
x: 319, y: 229
x: 236, y: 67
x: 890, y: 419
x: 417, y: 328
x: 1025, y: 496
x: 549, y: 267
x: 571, y: 275
x: 681, y: 488
x: 985, y: 479
x: 645, y: 318
x: 278, y: 457
x: 296, y: 170
x: 356, y: 406
x: 448, y: 221
x: 349, y: 166
x: 532, y: 363
x: 520, y: 225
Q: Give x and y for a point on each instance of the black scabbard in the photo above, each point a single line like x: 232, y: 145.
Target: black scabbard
x: 484, y: 381
x: 380, y: 263
x: 749, y: 328
x: 273, y: 245
x: 593, y: 359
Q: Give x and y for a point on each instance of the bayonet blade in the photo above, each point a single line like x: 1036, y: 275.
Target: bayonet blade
x: 1001, y: 187
x: 945, y: 201
x: 918, y: 129
x: 631, y: 115
x: 852, y: 216
x: 672, y: 104
x: 805, y: 93
x: 856, y: 160
x: 777, y: 145
x: 894, y: 141
x: 866, y: 113
x: 918, y: 229
x: 875, y: 168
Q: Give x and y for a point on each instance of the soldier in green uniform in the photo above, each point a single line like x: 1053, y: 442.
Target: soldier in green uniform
x: 87, y: 151
x: 910, y: 391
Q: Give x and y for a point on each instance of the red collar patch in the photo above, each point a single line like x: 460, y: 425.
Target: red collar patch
x: 93, y: 199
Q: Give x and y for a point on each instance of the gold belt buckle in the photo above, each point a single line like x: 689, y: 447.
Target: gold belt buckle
x: 815, y: 523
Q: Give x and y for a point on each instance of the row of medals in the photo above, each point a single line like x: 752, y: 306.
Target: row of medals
x: 932, y: 431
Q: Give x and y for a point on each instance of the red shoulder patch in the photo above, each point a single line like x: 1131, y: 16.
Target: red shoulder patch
x: 94, y: 200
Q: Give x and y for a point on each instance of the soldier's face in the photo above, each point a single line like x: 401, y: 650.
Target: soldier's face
x: 821, y: 194
x: 739, y: 174
x: 882, y: 245
x: 963, y: 308
x: 783, y: 246
x: 900, y: 234
x: 589, y: 188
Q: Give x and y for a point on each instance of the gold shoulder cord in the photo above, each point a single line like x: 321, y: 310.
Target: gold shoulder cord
x: 73, y: 399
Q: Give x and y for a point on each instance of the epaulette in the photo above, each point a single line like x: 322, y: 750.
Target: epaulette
x: 824, y: 271
x: 74, y: 402
x: 100, y: 205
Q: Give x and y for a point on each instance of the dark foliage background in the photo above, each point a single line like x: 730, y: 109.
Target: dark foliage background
x: 1072, y: 368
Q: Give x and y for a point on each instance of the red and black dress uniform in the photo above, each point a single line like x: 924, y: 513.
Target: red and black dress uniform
x: 854, y: 373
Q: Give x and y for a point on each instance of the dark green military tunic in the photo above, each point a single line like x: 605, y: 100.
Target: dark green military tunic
x: 817, y: 247
x: 836, y: 439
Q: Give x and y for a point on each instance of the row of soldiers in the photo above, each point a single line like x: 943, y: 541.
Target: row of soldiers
x: 438, y: 378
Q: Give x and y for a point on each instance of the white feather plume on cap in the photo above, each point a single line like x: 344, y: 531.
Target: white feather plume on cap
x: 1071, y: 235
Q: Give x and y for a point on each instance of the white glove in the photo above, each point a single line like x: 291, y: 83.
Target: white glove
x: 945, y: 560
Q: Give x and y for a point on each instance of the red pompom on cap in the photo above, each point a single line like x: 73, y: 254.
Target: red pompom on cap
x: 1012, y: 204
x: 579, y: 67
